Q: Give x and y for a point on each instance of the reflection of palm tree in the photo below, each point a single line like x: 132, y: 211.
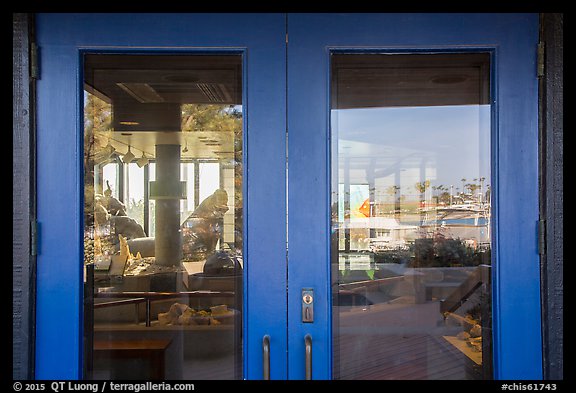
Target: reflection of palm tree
x: 442, y: 194
x: 421, y: 187
x: 435, y: 193
x: 482, y: 186
x: 472, y: 187
x: 440, y: 188
x: 445, y: 197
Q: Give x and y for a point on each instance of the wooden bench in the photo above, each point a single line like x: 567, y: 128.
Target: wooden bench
x: 155, y: 350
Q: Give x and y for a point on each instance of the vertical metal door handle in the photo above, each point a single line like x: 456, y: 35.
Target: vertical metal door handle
x: 308, y: 346
x: 266, y: 357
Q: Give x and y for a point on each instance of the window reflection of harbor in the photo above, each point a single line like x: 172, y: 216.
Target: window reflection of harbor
x: 411, y: 218
x: 428, y: 268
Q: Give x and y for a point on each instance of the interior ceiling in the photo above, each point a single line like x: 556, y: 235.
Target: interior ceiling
x: 175, y: 79
x: 409, y: 80
x: 146, y: 93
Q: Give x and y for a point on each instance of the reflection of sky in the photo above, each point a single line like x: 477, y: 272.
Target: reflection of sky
x: 440, y: 143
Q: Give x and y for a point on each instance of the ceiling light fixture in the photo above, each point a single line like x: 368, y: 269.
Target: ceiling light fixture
x: 128, y: 157
x: 142, y: 161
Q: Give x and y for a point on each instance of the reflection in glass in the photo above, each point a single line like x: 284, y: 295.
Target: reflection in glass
x: 411, y: 216
x: 163, y: 231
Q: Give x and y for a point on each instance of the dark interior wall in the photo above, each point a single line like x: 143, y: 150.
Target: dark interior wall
x: 23, y: 260
x: 552, y: 194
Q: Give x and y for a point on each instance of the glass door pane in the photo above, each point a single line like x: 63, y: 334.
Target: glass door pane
x: 411, y: 216
x: 163, y: 215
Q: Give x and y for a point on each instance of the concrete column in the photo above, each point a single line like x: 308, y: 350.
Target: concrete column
x: 168, y: 243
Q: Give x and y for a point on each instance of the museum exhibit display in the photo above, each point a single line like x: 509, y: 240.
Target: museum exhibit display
x: 163, y: 215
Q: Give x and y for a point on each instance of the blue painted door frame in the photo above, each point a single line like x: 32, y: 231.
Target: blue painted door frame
x: 512, y: 41
x: 62, y: 38
x: 287, y: 89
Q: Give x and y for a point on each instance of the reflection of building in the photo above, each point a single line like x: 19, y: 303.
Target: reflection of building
x: 388, y: 233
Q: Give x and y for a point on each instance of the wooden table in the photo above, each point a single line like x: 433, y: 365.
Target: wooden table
x: 155, y: 350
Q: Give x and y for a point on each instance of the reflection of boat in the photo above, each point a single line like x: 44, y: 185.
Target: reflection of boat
x: 460, y: 211
x: 377, y: 223
x: 467, y: 221
x: 385, y: 243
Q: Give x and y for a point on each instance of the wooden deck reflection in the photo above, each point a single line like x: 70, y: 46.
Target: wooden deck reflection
x: 388, y: 357
x: 397, y: 342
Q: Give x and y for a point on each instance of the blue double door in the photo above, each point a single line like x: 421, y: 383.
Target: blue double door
x: 302, y: 175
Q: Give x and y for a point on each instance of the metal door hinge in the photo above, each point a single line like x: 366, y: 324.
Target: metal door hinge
x: 541, y: 59
x: 33, y: 238
x: 541, y: 237
x: 34, y: 68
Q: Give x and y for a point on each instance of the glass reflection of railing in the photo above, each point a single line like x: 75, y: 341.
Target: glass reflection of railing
x: 479, y: 276
x: 137, y: 298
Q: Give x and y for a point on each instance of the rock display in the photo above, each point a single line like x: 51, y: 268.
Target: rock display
x: 463, y: 335
x: 476, y: 331
x: 475, y: 343
x: 182, y: 314
x: 138, y: 265
x: 471, y: 330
